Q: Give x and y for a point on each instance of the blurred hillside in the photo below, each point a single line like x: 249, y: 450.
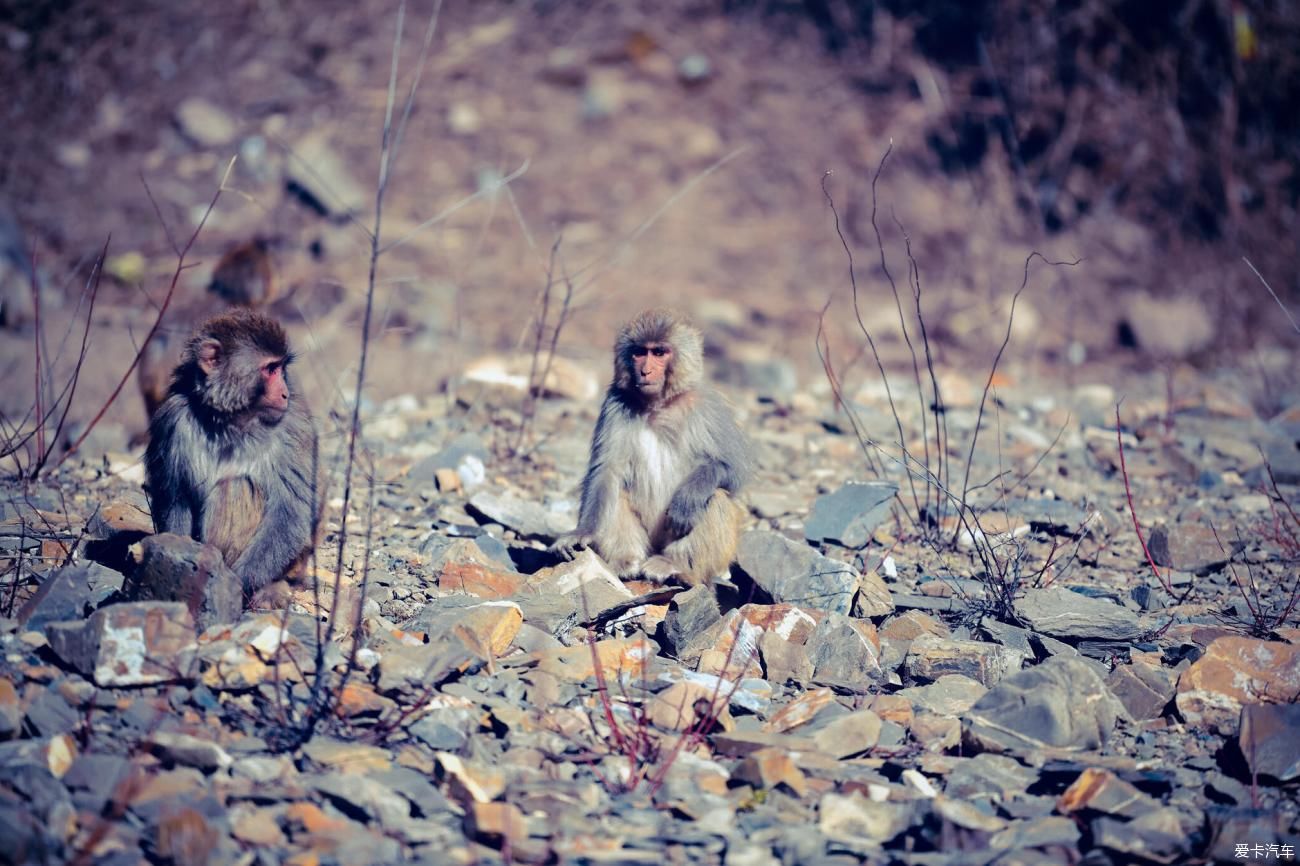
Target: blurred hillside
x: 676, y: 150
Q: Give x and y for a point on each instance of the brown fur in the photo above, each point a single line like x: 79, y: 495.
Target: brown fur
x: 245, y: 276
x: 234, y: 511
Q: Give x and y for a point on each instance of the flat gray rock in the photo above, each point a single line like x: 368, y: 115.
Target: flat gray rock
x: 1062, y: 703
x: 789, y: 571
x: 689, y: 614
x: 525, y: 517
x: 1269, y: 733
x: 65, y: 594
x: 848, y: 516
x: 843, y: 655
x: 931, y: 658
x: 1061, y: 613
x: 1048, y: 515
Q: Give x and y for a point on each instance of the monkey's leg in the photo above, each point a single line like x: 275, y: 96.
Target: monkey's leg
x: 623, y: 542
x: 710, y: 548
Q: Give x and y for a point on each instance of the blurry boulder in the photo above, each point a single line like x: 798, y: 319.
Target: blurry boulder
x: 564, y: 66
x: 694, y: 69
x: 204, y: 123
x: 1170, y: 327
x: 565, y: 378
x: 751, y: 365
x: 320, y: 176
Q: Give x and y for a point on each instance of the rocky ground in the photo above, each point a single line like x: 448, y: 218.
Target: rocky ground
x: 888, y: 679
x: 1075, y: 641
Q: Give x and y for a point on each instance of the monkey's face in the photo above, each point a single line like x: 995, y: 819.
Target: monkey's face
x: 273, y: 392
x: 651, y: 363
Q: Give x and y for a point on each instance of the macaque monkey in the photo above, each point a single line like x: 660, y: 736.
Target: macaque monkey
x: 667, y: 459
x: 244, y: 277
x: 232, y: 450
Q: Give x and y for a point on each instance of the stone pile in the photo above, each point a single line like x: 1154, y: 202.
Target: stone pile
x: 853, y: 693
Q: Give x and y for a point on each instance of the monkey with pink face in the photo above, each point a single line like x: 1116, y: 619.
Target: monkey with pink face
x: 232, y: 456
x: 667, y: 460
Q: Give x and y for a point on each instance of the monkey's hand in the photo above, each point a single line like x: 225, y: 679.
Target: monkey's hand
x: 568, y: 546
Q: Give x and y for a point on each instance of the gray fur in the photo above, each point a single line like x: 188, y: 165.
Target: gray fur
x: 669, y: 462
x: 192, y: 447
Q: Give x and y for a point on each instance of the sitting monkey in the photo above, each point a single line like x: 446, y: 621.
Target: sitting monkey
x: 667, y: 459
x: 232, y: 457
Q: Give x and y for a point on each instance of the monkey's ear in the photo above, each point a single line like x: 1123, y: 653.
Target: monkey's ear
x: 208, y: 356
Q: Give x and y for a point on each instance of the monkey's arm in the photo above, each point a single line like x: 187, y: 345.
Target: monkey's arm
x: 725, y: 464
x: 290, y: 493
x: 692, y: 497
x: 170, y: 486
x: 599, y: 487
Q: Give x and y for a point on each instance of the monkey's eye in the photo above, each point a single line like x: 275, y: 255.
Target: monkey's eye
x: 639, y: 352
x: 660, y: 351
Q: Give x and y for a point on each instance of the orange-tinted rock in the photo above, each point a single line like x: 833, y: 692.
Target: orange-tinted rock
x: 313, y: 821
x: 1143, y: 688
x: 893, y: 708
x: 169, y: 786
x: 622, y: 657
x: 488, y: 629
x: 185, y: 837
x: 783, y: 660
x: 769, y: 767
x: 789, y: 621
x: 11, y: 712
x: 258, y: 827
x: 1101, y: 791
x: 359, y: 699
x: 495, y: 823
x: 346, y: 757
x: 850, y: 734
x: 732, y: 665
x: 738, y: 744
x: 911, y: 624
x: 936, y: 733
x: 799, y: 711
x: 480, y: 580
x: 120, y: 516
x: 687, y: 704
x: 1233, y: 672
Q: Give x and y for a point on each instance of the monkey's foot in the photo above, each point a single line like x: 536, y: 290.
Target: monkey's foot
x: 569, y: 546
x: 659, y: 569
x: 273, y: 596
